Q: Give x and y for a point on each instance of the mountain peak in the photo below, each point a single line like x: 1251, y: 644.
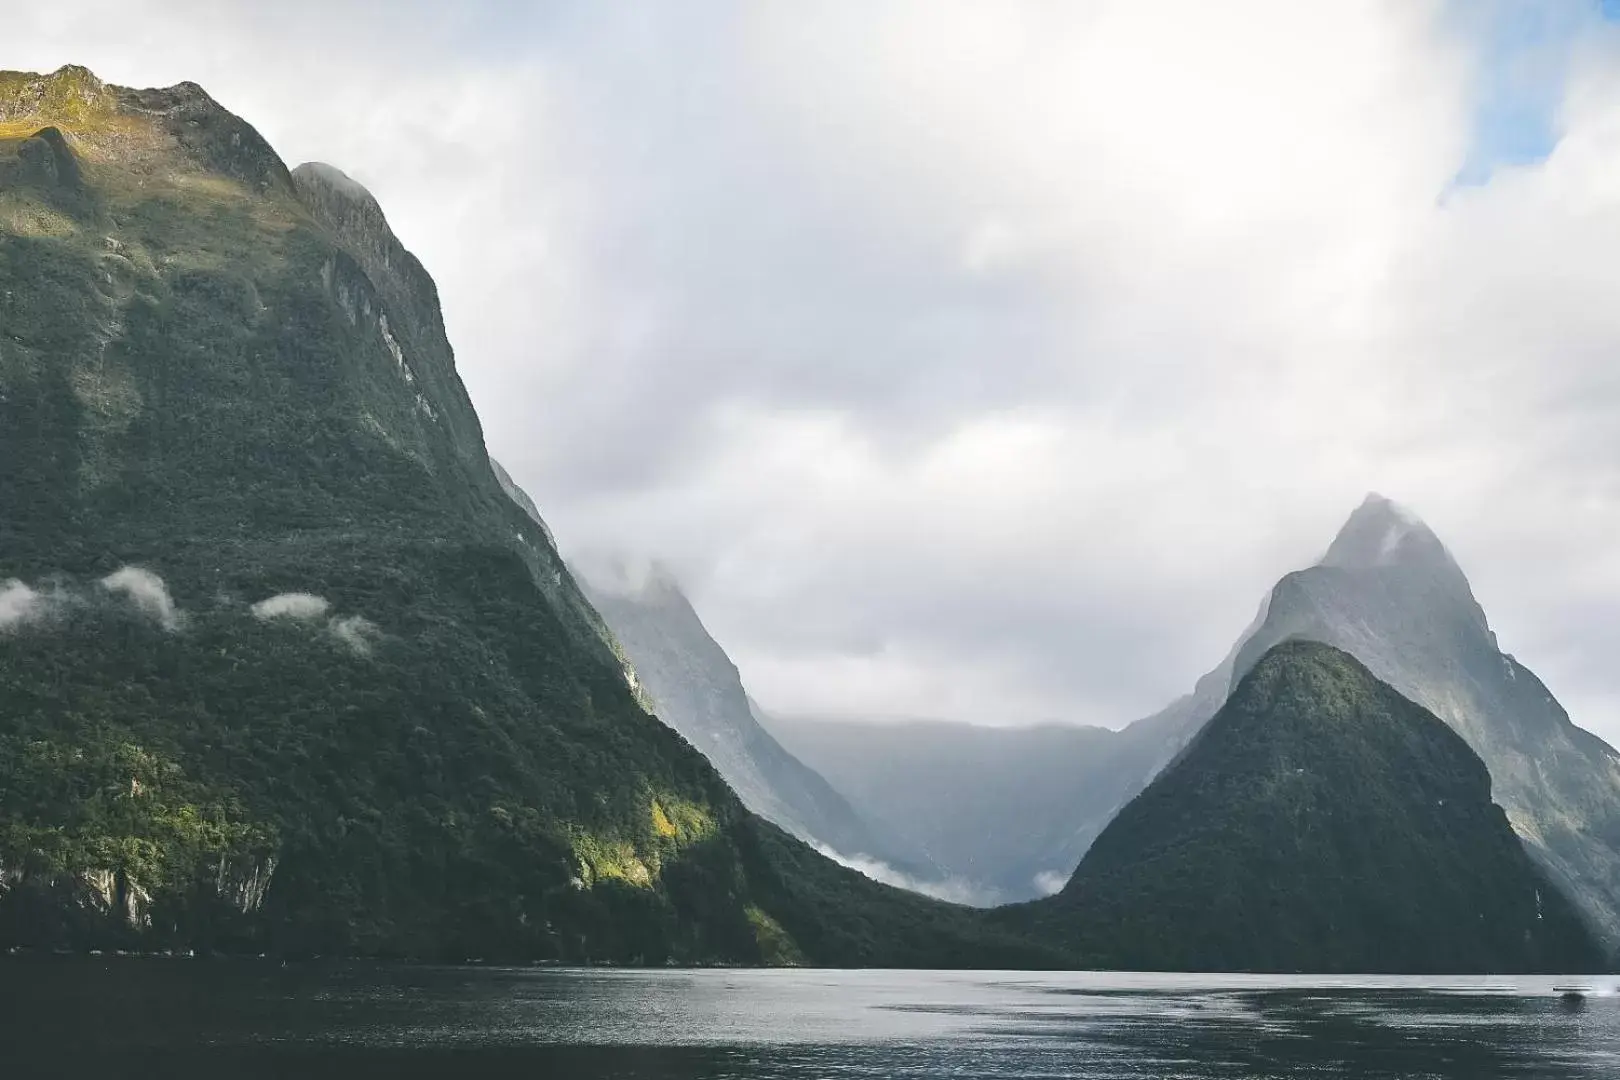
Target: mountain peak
x: 180, y: 125
x: 1381, y: 533
x: 68, y: 96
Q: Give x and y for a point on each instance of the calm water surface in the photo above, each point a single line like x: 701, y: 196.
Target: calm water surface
x: 221, y: 1019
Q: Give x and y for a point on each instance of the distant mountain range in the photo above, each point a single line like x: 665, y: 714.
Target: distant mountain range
x: 1005, y: 813
x: 1388, y: 593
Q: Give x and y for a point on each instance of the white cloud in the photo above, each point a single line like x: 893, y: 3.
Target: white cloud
x: 982, y: 359
x: 953, y: 890
x: 299, y: 606
x: 147, y: 592
x: 19, y: 605
x: 357, y: 632
x: 1050, y: 882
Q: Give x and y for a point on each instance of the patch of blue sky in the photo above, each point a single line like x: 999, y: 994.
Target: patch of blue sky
x: 1525, y: 48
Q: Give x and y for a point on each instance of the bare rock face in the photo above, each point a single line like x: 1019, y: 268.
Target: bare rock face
x: 693, y: 686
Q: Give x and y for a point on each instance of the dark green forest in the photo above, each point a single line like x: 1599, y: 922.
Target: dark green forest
x: 1320, y: 822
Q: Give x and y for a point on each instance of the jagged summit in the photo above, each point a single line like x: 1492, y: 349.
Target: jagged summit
x: 1380, y: 533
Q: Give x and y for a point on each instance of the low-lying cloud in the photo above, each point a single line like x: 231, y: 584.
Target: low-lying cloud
x: 23, y: 605
x: 299, y: 606
x: 357, y: 632
x: 952, y: 890
x: 1050, y: 882
x: 19, y: 605
x: 147, y: 592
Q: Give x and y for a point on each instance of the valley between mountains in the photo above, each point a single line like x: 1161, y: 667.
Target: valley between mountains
x: 289, y: 665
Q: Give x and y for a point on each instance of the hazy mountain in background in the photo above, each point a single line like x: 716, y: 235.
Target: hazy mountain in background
x: 692, y: 685
x: 1319, y: 822
x: 995, y: 808
x: 1388, y: 593
x: 285, y: 664
x: 1007, y: 812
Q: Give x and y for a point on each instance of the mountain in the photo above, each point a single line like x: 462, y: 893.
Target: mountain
x: 1319, y: 822
x: 1389, y: 593
x: 694, y: 687
x: 283, y: 665
x: 993, y: 807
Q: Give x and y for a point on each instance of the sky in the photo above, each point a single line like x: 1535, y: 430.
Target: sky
x: 991, y: 361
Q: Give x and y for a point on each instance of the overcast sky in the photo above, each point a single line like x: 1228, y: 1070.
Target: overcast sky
x: 990, y: 361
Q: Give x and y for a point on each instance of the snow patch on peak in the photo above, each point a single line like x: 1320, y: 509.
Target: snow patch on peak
x: 1393, y: 536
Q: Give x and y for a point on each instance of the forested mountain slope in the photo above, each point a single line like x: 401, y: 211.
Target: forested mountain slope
x: 1319, y: 822
x: 282, y: 665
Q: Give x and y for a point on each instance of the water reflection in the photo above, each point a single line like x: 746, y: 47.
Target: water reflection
x: 200, y: 1018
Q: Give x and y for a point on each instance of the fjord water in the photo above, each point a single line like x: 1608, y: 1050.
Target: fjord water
x: 194, y: 1018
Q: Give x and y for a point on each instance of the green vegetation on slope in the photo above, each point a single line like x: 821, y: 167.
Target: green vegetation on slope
x: 229, y: 376
x: 1320, y: 822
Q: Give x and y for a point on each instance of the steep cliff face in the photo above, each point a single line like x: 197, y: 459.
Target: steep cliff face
x: 280, y: 657
x: 1319, y: 822
x: 694, y: 687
